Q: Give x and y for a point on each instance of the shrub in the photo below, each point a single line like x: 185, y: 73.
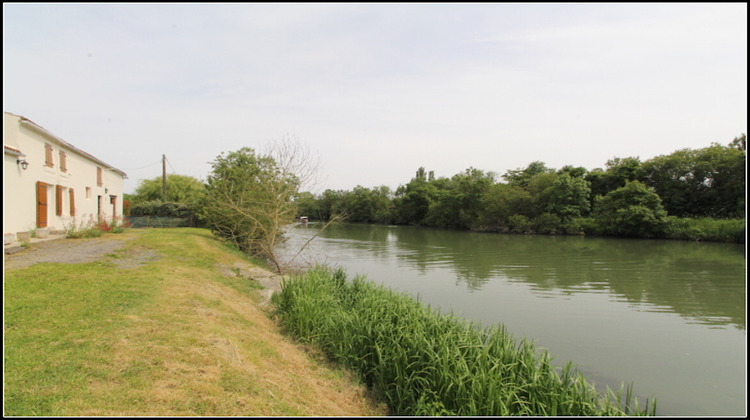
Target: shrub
x: 82, y: 230
x: 547, y: 223
x: 632, y: 210
x: 589, y: 226
x: 117, y: 225
x: 519, y: 223
x: 572, y: 227
x: 706, y: 229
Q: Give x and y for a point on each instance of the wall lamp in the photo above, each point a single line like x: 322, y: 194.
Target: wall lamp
x: 106, y: 190
x: 23, y: 163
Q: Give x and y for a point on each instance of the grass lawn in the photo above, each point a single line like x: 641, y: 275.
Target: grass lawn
x: 179, y: 335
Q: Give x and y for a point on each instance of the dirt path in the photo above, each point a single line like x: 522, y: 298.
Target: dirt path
x: 69, y: 251
x: 76, y: 251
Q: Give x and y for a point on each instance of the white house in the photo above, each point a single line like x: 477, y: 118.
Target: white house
x: 49, y: 183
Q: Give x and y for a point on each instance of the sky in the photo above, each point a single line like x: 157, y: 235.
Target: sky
x: 374, y: 91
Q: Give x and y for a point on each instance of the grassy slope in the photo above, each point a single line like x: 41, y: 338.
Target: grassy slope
x: 176, y: 336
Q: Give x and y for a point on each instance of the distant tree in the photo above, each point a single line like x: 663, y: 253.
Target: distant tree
x: 632, y: 210
x: 307, y: 205
x: 739, y: 143
x: 540, y: 187
x: 522, y: 177
x: 412, y: 201
x: 568, y: 197
x: 331, y: 204
x: 457, y: 203
x: 382, y: 197
x: 623, y: 169
x: 365, y: 205
x: 619, y: 171
x: 708, y: 182
x: 573, y: 171
x: 180, y: 189
x: 500, y: 203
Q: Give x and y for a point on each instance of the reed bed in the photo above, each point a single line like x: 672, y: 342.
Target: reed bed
x: 426, y: 363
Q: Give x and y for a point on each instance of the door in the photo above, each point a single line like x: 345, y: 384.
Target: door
x: 113, y: 202
x: 41, y: 204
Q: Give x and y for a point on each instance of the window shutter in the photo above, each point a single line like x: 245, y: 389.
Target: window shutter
x: 63, y: 162
x: 48, y: 155
x: 59, y: 199
x: 72, y: 203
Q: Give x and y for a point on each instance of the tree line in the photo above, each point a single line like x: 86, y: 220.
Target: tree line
x: 250, y: 196
x: 688, y: 194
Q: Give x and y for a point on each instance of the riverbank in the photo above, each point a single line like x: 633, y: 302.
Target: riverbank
x: 674, y: 228
x: 164, y: 322
x: 424, y: 363
x: 654, y: 313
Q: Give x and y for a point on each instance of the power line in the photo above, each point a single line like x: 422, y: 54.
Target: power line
x: 170, y: 165
x: 142, y: 167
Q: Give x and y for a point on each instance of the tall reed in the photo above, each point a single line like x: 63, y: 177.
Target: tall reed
x: 423, y: 362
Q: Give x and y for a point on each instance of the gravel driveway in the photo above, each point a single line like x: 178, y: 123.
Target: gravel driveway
x: 74, y: 251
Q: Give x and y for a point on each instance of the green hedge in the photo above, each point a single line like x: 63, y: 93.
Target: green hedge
x: 161, y: 209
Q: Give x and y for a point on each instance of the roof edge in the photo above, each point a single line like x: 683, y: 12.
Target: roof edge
x: 31, y: 124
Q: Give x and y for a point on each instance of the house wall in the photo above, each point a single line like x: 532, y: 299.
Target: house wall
x: 17, y: 189
x: 91, y: 201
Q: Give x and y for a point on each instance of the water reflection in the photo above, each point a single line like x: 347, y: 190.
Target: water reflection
x: 703, y: 282
x: 668, y: 316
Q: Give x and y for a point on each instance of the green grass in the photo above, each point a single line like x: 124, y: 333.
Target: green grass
x: 58, y: 324
x: 174, y: 336
x: 425, y: 363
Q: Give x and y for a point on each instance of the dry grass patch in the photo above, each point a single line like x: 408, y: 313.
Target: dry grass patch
x: 198, y: 344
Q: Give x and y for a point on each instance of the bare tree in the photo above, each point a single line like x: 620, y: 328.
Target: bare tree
x: 250, y: 198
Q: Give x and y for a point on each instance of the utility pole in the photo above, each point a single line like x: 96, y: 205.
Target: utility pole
x: 164, y: 178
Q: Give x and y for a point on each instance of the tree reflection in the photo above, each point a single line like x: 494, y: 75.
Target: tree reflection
x: 704, y: 282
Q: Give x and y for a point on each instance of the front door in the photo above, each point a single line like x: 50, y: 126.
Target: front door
x: 41, y: 204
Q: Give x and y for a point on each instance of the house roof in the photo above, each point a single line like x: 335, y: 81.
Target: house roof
x: 12, y: 151
x: 38, y: 128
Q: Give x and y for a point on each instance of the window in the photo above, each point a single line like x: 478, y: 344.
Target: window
x: 59, y: 199
x: 72, y: 203
x: 99, y: 182
x: 63, y: 162
x: 88, y: 192
x: 48, y: 155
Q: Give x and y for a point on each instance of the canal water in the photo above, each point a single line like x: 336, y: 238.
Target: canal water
x: 668, y: 317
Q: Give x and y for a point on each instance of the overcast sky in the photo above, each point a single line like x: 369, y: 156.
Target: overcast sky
x: 376, y: 91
